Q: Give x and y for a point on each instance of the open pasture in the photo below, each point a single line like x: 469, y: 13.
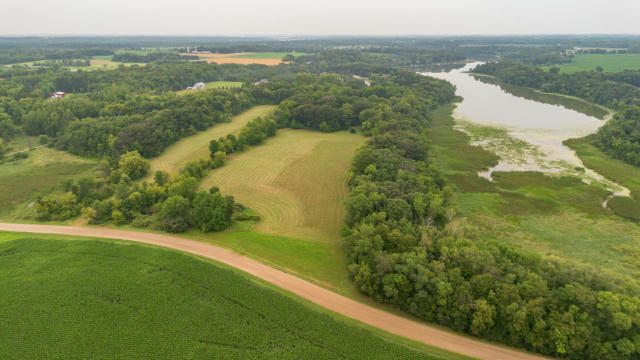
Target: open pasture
x: 296, y: 182
x: 197, y: 146
x: 22, y: 181
x: 609, y: 62
x: 79, y: 299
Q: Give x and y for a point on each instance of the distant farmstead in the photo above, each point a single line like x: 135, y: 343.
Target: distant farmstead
x: 58, y: 95
x: 197, y: 86
x: 262, y: 81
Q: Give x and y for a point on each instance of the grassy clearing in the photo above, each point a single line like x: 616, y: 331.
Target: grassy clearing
x: 214, y: 85
x: 559, y: 216
x: 24, y: 180
x: 75, y: 299
x: 197, y: 146
x: 223, y: 84
x: 617, y: 170
x: 296, y: 182
x: 609, y: 62
x: 266, y: 55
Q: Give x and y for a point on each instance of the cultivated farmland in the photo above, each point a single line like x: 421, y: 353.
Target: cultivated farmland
x: 296, y: 181
x: 197, y: 146
x: 126, y: 301
x: 609, y: 62
x: 243, y: 58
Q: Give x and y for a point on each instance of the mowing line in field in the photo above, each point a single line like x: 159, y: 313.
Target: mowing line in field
x: 197, y: 146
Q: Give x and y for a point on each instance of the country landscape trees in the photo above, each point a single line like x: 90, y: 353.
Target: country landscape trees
x: 402, y: 243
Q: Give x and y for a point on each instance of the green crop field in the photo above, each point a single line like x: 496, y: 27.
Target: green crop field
x: 558, y: 216
x: 296, y: 182
x: 197, y: 146
x: 22, y: 181
x: 266, y: 55
x: 79, y: 299
x: 609, y: 62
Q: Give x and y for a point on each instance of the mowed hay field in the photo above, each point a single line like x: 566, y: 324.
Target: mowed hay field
x: 197, y: 146
x: 296, y: 182
x: 81, y: 299
x: 24, y: 180
x: 241, y: 58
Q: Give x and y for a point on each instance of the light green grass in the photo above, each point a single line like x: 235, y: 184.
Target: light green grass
x: 609, y: 62
x: 266, y: 55
x: 559, y: 216
x: 223, y: 84
x: 77, y: 299
x: 296, y: 182
x: 173, y: 159
x: 24, y: 180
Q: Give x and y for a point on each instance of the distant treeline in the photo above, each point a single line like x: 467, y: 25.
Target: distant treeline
x: 14, y: 56
x: 620, y: 137
x: 152, y: 57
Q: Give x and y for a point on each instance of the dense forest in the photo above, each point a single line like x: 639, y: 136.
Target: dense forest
x: 619, y: 137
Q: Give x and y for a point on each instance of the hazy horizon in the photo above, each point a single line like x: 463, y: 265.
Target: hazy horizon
x: 328, y: 18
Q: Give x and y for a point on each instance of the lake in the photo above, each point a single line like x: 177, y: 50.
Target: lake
x: 527, y: 135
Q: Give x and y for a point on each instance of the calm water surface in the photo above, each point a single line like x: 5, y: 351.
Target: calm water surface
x: 534, y: 131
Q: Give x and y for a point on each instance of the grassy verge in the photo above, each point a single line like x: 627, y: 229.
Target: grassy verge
x: 123, y: 300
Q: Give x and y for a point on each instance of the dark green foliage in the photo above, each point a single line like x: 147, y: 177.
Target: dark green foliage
x: 212, y: 211
x: 175, y: 214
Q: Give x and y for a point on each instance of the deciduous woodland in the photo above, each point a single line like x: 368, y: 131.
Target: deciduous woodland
x: 404, y: 243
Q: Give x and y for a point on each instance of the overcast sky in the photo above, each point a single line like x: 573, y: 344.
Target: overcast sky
x: 321, y: 17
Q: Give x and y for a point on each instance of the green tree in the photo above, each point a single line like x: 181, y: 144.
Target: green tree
x: 133, y: 164
x: 175, y: 214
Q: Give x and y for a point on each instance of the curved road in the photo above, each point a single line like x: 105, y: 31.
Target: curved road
x: 316, y: 294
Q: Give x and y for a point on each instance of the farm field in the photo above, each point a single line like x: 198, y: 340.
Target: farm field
x: 266, y: 55
x: 296, y: 182
x: 609, y: 62
x: 242, y: 59
x: 39, y: 174
x: 557, y: 216
x: 123, y: 300
x: 197, y: 146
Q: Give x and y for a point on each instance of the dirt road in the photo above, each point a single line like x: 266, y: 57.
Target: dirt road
x: 323, y: 297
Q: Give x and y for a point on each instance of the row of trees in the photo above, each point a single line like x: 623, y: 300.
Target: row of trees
x: 169, y: 204
x: 254, y: 133
x: 619, y: 137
